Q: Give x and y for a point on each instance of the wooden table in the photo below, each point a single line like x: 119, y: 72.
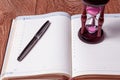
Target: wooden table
x: 9, y: 9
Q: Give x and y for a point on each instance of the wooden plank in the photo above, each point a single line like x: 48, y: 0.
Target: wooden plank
x: 8, y: 10
x: 71, y: 6
x: 113, y: 6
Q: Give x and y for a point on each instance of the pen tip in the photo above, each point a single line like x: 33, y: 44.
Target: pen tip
x: 47, y: 21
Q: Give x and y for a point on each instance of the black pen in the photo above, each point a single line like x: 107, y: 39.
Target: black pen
x: 34, y: 40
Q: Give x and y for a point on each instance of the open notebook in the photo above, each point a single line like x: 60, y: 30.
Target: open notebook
x: 60, y: 54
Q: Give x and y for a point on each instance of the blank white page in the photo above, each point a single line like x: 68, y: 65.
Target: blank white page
x: 52, y: 53
x: 102, y: 58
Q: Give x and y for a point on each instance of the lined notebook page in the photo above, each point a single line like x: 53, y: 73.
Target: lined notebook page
x: 52, y: 54
x: 102, y: 58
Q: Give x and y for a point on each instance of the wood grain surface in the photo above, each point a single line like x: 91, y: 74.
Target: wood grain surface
x: 9, y: 9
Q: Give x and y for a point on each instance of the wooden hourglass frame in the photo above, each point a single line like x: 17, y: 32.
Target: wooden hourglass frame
x: 93, y: 7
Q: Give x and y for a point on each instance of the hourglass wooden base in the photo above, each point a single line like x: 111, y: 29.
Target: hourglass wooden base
x: 90, y: 38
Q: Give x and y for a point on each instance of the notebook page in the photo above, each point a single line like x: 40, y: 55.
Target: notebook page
x: 50, y: 55
x: 102, y: 58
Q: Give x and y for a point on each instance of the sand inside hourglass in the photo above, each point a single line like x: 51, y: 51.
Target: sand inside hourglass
x: 91, y: 28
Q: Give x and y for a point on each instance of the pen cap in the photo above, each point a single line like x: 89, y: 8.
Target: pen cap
x: 95, y: 2
x: 42, y: 30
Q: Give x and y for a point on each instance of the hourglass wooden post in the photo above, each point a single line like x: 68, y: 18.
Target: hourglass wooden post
x: 92, y: 32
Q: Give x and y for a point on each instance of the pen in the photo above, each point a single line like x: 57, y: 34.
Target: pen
x: 34, y: 40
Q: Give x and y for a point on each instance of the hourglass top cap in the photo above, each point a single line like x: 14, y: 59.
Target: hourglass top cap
x: 95, y: 2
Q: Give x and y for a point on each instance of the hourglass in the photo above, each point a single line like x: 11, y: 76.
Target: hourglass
x: 92, y: 20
